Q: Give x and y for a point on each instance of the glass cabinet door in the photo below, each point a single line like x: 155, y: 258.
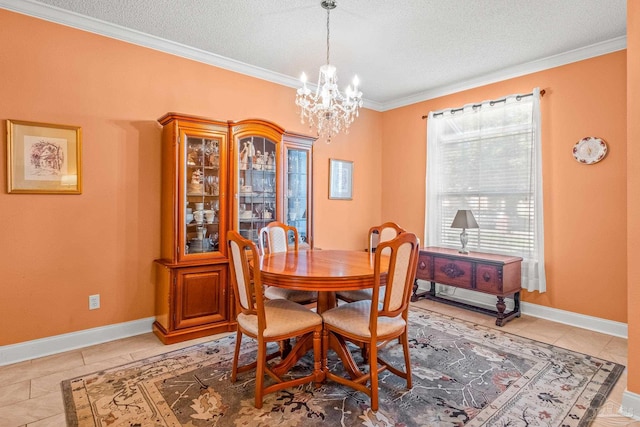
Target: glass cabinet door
x: 202, y: 186
x: 297, y: 192
x: 256, y: 185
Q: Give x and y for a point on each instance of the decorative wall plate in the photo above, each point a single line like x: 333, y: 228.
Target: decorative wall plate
x: 590, y: 150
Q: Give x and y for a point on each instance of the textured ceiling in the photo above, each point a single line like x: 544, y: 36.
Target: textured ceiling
x: 398, y: 48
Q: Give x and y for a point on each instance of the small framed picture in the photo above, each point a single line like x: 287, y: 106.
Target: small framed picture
x: 43, y: 158
x: 340, y: 179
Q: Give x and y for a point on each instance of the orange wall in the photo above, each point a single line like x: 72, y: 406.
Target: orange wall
x: 584, y: 206
x: 56, y: 250
x: 633, y: 195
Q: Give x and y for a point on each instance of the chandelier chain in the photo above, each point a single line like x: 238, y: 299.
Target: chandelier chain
x: 328, y: 11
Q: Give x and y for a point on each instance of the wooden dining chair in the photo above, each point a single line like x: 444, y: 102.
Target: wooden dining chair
x: 383, y: 233
x: 268, y: 321
x: 274, y: 238
x: 377, y: 235
x: 378, y: 320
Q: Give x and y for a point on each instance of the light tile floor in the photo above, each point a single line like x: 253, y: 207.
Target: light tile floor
x: 30, y: 393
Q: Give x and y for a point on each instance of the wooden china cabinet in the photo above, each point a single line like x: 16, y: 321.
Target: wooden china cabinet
x: 218, y: 176
x: 192, y: 294
x: 272, y: 179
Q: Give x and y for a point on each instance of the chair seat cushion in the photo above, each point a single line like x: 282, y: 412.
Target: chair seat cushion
x: 359, y: 294
x: 283, y: 317
x: 354, y: 318
x: 274, y: 292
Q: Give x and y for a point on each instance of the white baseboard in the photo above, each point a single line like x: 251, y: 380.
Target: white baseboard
x: 630, y: 405
x: 605, y: 326
x: 60, y: 343
x: 14, y: 353
x: 592, y: 323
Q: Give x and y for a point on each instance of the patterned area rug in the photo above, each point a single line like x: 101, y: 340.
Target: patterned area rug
x: 463, y: 374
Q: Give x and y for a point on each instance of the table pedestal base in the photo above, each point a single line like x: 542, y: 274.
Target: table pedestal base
x: 301, y: 348
x: 326, y: 300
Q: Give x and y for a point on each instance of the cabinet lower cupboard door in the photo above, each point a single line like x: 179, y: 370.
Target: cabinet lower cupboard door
x: 191, y: 302
x: 200, y: 296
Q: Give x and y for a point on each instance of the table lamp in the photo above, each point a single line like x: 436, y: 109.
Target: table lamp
x: 464, y: 219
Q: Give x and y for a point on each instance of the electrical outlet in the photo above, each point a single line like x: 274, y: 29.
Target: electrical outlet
x: 94, y: 301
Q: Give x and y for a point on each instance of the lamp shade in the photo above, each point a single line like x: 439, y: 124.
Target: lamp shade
x: 464, y: 219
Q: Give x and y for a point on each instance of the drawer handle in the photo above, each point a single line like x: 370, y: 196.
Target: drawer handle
x: 422, y: 265
x: 486, y: 276
x: 452, y: 270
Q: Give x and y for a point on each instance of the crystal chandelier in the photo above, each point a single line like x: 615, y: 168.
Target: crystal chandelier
x: 326, y: 108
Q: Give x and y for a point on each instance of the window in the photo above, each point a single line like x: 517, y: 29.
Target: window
x: 487, y: 158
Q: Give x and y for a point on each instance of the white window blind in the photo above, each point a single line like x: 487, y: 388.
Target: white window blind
x: 486, y: 158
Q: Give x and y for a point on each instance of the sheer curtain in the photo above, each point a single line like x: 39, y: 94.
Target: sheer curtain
x: 487, y: 157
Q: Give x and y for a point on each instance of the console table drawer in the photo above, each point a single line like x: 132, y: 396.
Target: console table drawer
x: 452, y: 272
x: 488, y: 279
x: 424, y: 272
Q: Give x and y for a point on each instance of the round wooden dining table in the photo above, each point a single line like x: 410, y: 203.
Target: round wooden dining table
x: 324, y: 271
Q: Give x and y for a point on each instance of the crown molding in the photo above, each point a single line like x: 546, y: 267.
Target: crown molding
x: 96, y: 26
x: 580, y: 54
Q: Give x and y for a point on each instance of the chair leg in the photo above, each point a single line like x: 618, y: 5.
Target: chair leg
x: 407, y: 358
x: 317, y: 358
x: 262, y: 361
x: 234, y: 369
x: 373, y: 372
x: 364, y: 352
x: 325, y: 350
x: 285, y: 348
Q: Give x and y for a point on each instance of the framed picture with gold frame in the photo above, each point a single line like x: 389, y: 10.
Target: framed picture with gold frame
x: 340, y: 179
x: 43, y: 158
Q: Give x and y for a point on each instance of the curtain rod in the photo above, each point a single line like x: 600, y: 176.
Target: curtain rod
x: 495, y: 101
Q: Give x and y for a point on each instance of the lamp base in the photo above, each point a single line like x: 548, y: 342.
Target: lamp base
x: 464, y: 239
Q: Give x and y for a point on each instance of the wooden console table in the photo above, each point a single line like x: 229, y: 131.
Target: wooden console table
x: 492, y: 274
